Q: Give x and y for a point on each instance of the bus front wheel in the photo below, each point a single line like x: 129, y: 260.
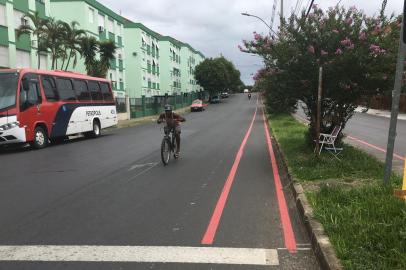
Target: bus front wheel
x: 40, y: 138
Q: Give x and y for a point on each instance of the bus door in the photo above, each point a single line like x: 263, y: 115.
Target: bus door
x: 30, y: 104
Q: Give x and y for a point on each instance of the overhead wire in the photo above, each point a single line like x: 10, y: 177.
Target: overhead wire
x: 309, y: 8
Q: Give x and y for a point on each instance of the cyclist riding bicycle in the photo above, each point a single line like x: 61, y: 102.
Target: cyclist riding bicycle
x: 173, y: 122
x: 249, y: 95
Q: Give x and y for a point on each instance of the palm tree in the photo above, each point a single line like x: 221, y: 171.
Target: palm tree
x: 89, y: 49
x: 89, y: 46
x: 53, y: 35
x: 72, y: 39
x: 37, y: 29
x: 107, y: 50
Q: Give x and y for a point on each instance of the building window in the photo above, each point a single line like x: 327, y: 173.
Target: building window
x: 4, y: 56
x: 23, y: 59
x: 119, y: 30
x: 44, y: 61
x: 111, y: 26
x: 18, y: 19
x: 101, y: 20
x: 3, y: 20
x: 91, y: 15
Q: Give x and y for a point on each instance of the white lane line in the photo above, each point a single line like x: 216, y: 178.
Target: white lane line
x: 157, y: 254
x: 138, y: 166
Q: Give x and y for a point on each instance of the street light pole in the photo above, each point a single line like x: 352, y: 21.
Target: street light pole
x: 259, y: 18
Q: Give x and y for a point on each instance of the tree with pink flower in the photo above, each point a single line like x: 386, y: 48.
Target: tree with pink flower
x: 357, y: 54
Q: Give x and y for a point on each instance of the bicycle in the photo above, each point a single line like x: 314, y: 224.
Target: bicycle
x: 168, y: 145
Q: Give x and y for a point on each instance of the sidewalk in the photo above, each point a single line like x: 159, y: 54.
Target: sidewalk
x: 387, y: 114
x: 147, y: 119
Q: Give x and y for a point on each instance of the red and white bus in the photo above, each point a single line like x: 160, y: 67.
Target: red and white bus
x: 38, y: 106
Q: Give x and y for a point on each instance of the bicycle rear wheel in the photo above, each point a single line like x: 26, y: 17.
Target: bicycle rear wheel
x: 165, y: 151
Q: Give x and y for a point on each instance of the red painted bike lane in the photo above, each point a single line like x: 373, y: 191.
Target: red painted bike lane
x: 254, y: 209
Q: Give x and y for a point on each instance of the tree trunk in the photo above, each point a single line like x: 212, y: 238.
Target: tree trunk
x: 67, y: 65
x: 63, y: 60
x: 53, y: 59
x: 39, y: 56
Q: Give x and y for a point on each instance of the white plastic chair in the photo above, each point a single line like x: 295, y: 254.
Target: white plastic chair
x: 329, y: 140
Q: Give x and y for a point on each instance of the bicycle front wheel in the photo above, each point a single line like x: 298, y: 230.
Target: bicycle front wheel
x: 165, y: 151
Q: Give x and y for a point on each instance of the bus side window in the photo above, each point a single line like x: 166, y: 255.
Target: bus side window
x: 82, y: 92
x: 48, y: 83
x: 107, y: 95
x: 65, y: 89
x: 95, y: 90
x: 30, y: 96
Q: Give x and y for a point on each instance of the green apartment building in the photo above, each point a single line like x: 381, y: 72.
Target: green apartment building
x: 171, y: 65
x: 191, y: 58
x: 143, y: 55
x: 147, y: 63
x: 102, y: 23
x: 17, y: 53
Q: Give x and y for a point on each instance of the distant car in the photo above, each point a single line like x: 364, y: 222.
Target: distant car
x: 224, y: 95
x: 246, y: 91
x: 215, y: 99
x: 197, y: 105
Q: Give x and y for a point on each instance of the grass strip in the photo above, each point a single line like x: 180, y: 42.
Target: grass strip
x: 365, y: 223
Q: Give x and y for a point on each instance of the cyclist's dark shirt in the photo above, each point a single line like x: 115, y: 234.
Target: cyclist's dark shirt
x: 173, y: 119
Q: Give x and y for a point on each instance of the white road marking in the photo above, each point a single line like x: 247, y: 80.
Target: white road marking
x: 137, y: 166
x: 157, y: 254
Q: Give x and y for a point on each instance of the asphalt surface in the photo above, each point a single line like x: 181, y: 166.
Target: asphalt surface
x: 114, y: 191
x: 370, y: 133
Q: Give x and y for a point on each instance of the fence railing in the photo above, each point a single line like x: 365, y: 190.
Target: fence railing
x: 385, y: 103
x: 146, y: 106
x: 121, y: 105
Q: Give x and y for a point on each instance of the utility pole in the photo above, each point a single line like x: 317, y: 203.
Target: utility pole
x: 281, y: 13
x: 395, y: 99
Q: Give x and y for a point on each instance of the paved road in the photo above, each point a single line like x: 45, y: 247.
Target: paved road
x: 109, y: 203
x: 370, y: 133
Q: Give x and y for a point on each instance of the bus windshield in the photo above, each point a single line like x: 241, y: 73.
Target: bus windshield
x: 8, y: 89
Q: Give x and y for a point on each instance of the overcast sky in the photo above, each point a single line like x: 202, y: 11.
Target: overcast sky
x: 216, y: 27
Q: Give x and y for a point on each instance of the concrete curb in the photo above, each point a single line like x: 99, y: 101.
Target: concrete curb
x: 321, y: 245
x: 381, y: 113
